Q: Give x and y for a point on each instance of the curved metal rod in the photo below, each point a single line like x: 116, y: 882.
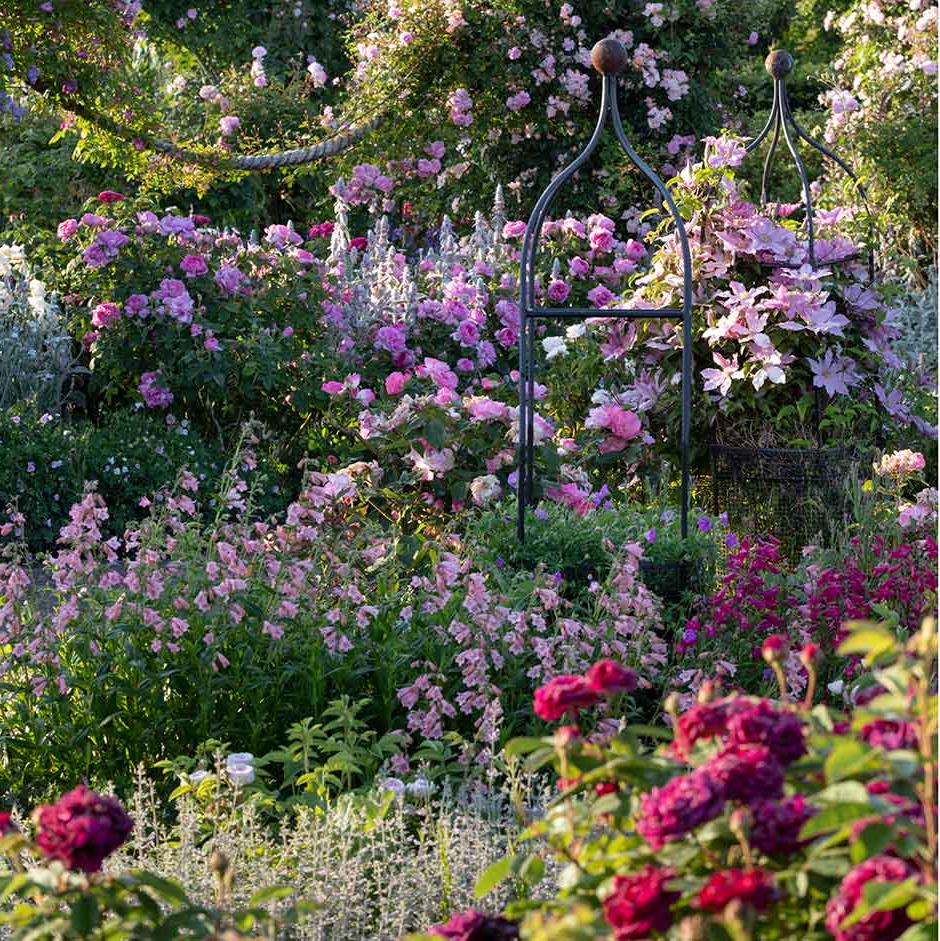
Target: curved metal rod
x: 685, y: 439
x: 769, y: 159
x: 770, y: 120
x: 801, y: 169
x: 859, y: 188
x: 534, y: 226
x: 524, y: 484
x: 527, y: 318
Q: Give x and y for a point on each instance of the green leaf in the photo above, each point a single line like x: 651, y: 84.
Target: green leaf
x: 271, y: 893
x: 844, y: 792
x: 848, y: 759
x: 532, y: 869
x: 170, y: 891
x: 872, y: 641
x: 921, y: 932
x: 873, y: 840
x: 834, y: 817
x: 492, y: 876
x: 85, y: 914
x: 523, y: 745
x: 880, y: 897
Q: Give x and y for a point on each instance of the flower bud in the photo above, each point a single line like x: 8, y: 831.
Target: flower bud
x: 810, y: 655
x: 774, y: 649
x: 672, y: 704
x: 219, y: 863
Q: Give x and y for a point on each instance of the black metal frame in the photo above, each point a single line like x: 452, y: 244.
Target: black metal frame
x: 779, y: 64
x: 529, y: 314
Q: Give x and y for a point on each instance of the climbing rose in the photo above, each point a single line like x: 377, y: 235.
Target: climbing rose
x: 607, y: 677
x: 474, y: 926
x: 639, y: 904
x: 670, y: 812
x: 747, y: 772
x: 561, y: 695
x: 753, y: 887
x: 193, y: 266
x: 877, y: 926
x: 763, y: 724
x: 106, y: 314
x: 777, y: 824
x: 81, y: 828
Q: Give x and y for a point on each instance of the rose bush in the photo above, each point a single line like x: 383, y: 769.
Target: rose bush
x: 759, y: 819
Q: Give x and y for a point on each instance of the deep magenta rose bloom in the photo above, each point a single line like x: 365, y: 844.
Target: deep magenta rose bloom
x: 81, y: 828
x: 670, y: 812
x: 562, y: 695
x: 776, y: 827
x: 705, y: 720
x: 6, y: 823
x: 109, y: 196
x: 890, y: 734
x: 763, y: 724
x: 877, y: 926
x: 640, y: 904
x: 608, y: 678
x: 754, y: 887
x: 747, y: 772
x: 475, y: 926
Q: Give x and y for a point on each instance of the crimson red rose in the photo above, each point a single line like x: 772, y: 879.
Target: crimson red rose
x: 562, y: 695
x: 109, y: 196
x: 640, y: 904
x: 6, y: 824
x: 608, y: 678
x: 81, y: 828
x: 754, y: 887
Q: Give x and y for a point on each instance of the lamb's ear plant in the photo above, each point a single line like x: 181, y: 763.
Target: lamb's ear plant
x: 760, y: 819
x: 54, y: 877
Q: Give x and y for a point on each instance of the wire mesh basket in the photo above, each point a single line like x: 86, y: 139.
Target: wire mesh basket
x: 800, y: 496
x: 671, y: 581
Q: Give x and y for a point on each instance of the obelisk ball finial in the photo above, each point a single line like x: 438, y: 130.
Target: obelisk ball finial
x: 779, y: 63
x: 609, y: 56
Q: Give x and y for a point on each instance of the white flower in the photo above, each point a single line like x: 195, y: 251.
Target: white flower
x: 420, y: 787
x: 836, y: 687
x: 484, y: 489
x: 576, y: 330
x: 198, y: 776
x: 554, y: 346
x: 240, y: 774
x: 240, y: 758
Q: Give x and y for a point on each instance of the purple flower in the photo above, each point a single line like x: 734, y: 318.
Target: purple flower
x: 777, y: 824
x: 834, y: 374
x: 764, y: 724
x: 193, y: 266
x: 671, y: 812
x: 81, y: 828
x: 229, y: 125
x: 651, y: 535
x: 704, y: 524
x: 475, y: 926
x: 229, y: 279
x: 747, y: 772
